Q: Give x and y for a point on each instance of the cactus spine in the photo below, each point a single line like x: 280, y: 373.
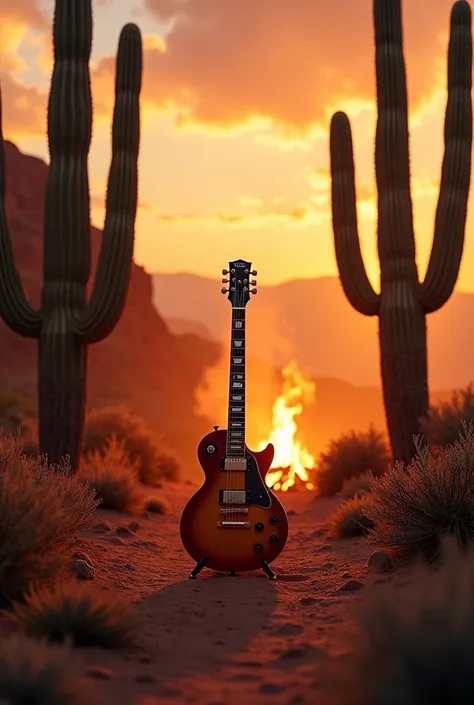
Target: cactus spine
x: 404, y: 301
x: 66, y: 322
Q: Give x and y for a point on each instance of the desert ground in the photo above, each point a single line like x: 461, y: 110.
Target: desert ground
x: 222, y: 639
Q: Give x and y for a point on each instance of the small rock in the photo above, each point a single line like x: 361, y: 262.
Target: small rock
x: 82, y: 570
x: 346, y: 575
x: 351, y: 586
x: 380, y: 562
x: 102, y: 526
x: 145, y: 515
x: 117, y: 541
x: 134, y: 526
x: 124, y: 531
x: 100, y: 672
x: 79, y: 556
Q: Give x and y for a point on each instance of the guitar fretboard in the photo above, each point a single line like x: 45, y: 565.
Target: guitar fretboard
x: 236, y: 415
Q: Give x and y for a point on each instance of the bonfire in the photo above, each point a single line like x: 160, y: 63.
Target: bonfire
x: 292, y: 461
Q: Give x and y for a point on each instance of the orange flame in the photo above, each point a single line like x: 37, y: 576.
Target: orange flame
x: 292, y: 458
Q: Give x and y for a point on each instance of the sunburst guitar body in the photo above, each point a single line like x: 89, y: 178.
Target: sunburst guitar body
x: 234, y: 522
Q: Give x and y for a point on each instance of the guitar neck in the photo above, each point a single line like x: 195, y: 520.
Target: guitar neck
x: 236, y: 413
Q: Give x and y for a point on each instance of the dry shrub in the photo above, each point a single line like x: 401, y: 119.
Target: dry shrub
x: 413, y: 507
x: 33, y: 673
x: 77, y: 613
x: 351, y: 455
x: 154, y: 461
x: 157, y: 505
x: 29, y: 435
x: 350, y: 519
x: 41, y: 510
x: 113, y: 476
x: 355, y: 485
x: 445, y: 420
x: 417, y: 645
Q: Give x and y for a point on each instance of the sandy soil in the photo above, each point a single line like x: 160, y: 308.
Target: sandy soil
x: 221, y: 640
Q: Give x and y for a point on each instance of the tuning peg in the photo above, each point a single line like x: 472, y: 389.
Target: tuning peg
x: 225, y: 281
x: 253, y: 291
x: 253, y: 272
x: 225, y: 271
x: 224, y: 290
x: 253, y: 282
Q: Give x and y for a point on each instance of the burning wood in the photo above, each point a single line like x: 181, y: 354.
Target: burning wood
x: 292, y: 459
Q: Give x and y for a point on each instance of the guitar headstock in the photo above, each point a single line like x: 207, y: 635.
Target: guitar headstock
x: 239, y: 282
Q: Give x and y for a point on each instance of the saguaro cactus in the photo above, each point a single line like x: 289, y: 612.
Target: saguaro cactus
x: 66, y: 322
x: 404, y: 301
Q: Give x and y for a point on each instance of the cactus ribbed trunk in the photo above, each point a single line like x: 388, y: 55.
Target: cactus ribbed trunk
x: 66, y: 322
x: 66, y: 268
x: 62, y: 364
x: 403, y: 301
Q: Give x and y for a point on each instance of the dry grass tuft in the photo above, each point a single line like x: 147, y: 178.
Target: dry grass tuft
x: 76, y: 612
x: 154, y: 461
x: 41, y: 511
x: 417, y: 645
x: 349, y: 518
x: 414, y: 507
x: 445, y: 420
x: 354, y: 485
x: 32, y: 673
x: 157, y: 505
x: 351, y: 455
x: 113, y: 476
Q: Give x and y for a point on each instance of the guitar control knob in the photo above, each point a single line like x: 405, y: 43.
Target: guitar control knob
x: 259, y: 526
x: 274, y: 520
x: 258, y: 547
x: 273, y: 538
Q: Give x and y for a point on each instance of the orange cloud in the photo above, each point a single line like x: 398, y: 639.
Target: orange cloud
x: 228, y: 62
x: 302, y: 214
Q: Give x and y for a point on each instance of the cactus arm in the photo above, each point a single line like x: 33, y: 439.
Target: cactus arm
x: 450, y: 222
x: 354, y: 280
x: 14, y: 307
x: 113, y: 269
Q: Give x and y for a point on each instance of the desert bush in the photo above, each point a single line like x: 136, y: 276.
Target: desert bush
x: 351, y: 455
x: 157, y: 505
x: 154, y: 461
x: 413, y: 507
x: 349, y: 518
x: 355, y: 485
x: 41, y: 510
x: 33, y: 673
x: 29, y: 435
x: 416, y: 645
x: 444, y: 422
x: 78, y: 613
x: 113, y: 476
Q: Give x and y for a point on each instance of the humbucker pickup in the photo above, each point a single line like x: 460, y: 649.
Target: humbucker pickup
x: 232, y: 496
x: 234, y: 464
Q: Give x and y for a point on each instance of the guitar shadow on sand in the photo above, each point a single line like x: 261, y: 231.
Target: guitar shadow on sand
x: 198, y: 625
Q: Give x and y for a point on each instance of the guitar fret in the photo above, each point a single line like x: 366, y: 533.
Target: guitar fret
x: 236, y: 415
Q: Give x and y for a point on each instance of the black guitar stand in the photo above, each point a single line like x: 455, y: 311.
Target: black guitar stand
x: 271, y: 573
x: 201, y: 564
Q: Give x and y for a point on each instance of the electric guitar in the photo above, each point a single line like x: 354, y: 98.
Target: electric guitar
x: 234, y: 522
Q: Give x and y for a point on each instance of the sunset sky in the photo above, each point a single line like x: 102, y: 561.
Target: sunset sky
x: 236, y: 104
